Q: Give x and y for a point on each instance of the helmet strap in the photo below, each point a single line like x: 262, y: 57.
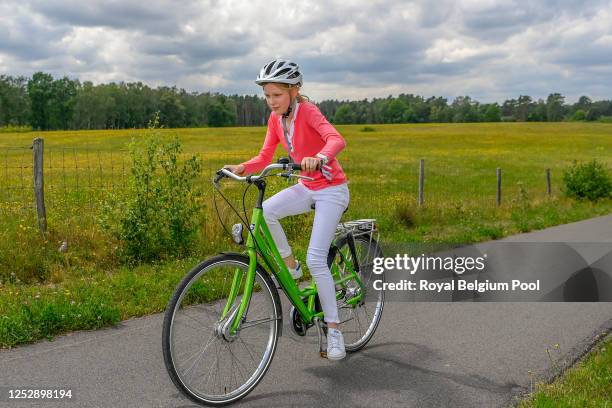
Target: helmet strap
x: 290, y: 108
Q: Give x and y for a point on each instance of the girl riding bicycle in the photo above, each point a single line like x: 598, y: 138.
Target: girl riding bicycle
x: 313, y: 142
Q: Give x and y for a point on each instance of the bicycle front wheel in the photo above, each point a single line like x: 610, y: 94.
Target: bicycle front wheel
x: 205, y: 360
x: 358, y: 321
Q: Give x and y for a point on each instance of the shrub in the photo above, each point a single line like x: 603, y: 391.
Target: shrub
x: 160, y: 214
x: 15, y: 129
x: 406, y: 214
x: 589, y: 180
x: 579, y: 115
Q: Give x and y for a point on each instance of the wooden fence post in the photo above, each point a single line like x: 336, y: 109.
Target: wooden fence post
x: 39, y: 186
x: 499, y: 180
x: 548, y: 189
x: 421, y: 182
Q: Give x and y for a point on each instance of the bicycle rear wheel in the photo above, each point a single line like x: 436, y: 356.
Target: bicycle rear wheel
x: 205, y: 361
x: 358, y: 322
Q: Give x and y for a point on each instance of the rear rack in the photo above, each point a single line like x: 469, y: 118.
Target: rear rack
x: 366, y: 226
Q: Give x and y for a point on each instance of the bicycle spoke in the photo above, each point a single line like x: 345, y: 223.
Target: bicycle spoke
x: 188, y: 351
x: 358, y: 321
x: 183, y: 341
x: 247, y: 349
x: 217, y: 364
x: 201, y: 353
x: 238, y: 362
x: 210, y: 371
x: 193, y: 327
x: 245, y: 325
x: 232, y: 373
x: 347, y: 320
x: 218, y: 368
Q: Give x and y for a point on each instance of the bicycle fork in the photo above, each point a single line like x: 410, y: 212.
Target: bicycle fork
x: 235, y: 317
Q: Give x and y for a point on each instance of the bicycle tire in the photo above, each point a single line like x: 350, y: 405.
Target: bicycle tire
x: 267, y: 288
x: 379, y: 296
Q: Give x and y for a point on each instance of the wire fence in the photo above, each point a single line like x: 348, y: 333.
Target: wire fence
x: 80, y: 178
x: 16, y: 183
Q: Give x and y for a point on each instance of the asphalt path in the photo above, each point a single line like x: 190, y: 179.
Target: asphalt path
x: 434, y: 354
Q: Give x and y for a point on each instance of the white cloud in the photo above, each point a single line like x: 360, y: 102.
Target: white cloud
x: 455, y: 50
x: 490, y: 50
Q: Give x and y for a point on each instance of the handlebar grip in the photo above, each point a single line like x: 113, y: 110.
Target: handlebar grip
x: 219, y: 176
x: 298, y: 166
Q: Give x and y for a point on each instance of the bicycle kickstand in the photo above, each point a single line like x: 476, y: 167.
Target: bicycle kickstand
x: 322, y: 351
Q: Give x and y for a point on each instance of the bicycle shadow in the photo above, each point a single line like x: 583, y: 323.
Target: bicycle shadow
x: 404, y: 381
x: 306, y: 398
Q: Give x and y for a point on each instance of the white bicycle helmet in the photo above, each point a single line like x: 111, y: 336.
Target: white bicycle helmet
x: 280, y: 71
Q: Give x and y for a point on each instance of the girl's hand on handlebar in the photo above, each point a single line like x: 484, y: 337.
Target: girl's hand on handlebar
x: 311, y: 163
x: 237, y: 169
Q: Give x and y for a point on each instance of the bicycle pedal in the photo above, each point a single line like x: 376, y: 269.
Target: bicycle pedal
x: 323, y: 354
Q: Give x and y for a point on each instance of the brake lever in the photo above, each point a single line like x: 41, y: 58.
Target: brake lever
x: 300, y: 176
x: 218, y: 177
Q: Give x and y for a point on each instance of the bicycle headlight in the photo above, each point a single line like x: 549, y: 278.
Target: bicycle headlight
x: 237, y: 234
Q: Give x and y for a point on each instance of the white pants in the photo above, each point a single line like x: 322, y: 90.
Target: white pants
x: 330, y: 203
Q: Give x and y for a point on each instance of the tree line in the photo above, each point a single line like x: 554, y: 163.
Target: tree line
x: 46, y: 103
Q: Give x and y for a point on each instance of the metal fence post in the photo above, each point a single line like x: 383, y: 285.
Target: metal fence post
x: 499, y: 181
x: 421, y: 181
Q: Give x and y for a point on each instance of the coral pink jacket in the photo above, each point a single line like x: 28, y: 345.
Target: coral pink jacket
x: 309, y: 133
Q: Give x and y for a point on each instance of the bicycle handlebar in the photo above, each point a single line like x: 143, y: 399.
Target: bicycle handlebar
x: 224, y: 172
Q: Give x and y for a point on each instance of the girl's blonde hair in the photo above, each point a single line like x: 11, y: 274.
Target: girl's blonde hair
x: 300, y: 98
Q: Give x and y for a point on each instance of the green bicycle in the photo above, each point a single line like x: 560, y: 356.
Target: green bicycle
x: 222, y: 324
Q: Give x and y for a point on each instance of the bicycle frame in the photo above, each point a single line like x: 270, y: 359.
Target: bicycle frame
x: 350, y: 265
x: 260, y: 242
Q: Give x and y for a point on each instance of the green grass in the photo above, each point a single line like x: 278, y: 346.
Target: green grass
x: 89, y: 299
x: 382, y: 166
x: 587, y: 384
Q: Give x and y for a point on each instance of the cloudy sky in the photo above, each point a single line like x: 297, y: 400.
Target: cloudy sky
x: 490, y: 50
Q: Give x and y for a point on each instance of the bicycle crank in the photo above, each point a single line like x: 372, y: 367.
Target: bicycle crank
x: 322, y: 351
x: 297, y: 323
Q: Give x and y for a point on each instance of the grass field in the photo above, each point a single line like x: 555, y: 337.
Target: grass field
x: 44, y: 292
x: 588, y: 384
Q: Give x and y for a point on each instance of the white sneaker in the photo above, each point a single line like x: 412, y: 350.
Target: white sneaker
x: 297, y: 272
x: 335, y: 345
